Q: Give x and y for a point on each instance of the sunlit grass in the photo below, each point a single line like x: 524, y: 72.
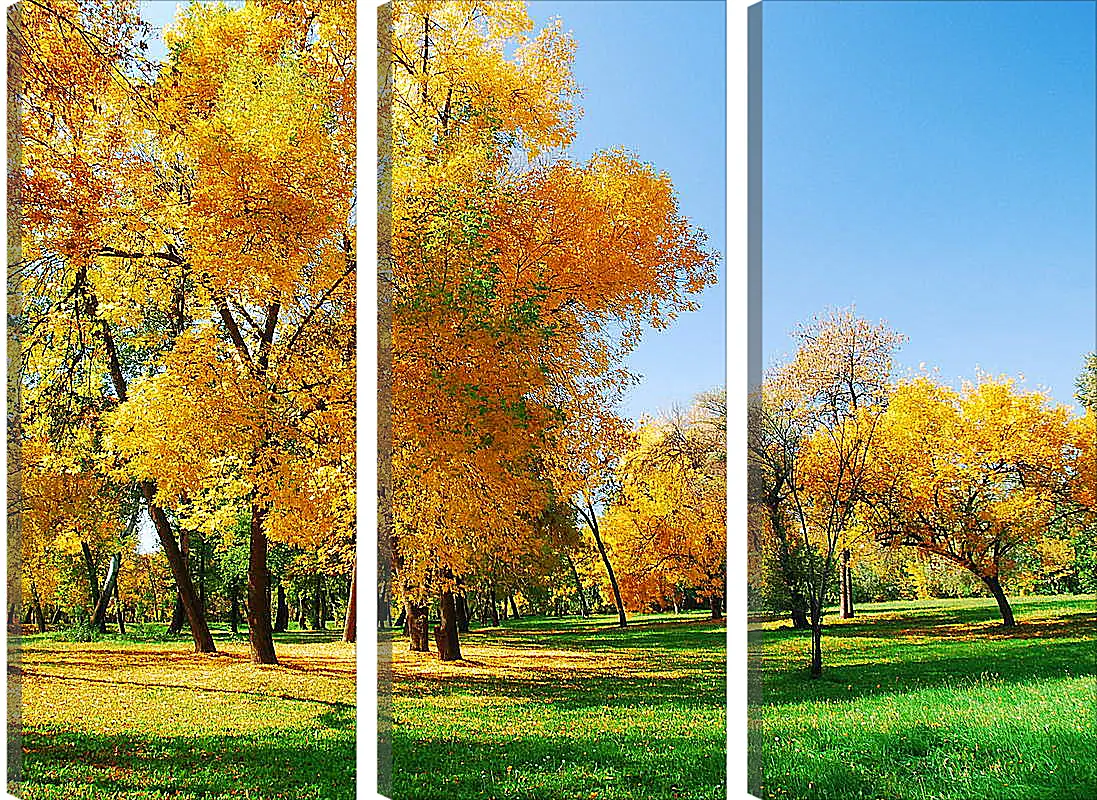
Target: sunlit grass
x: 565, y: 709
x: 147, y: 720
x: 931, y: 700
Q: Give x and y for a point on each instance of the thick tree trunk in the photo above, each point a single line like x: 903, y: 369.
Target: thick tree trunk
x: 402, y: 619
x: 178, y: 616
x: 799, y: 617
x: 592, y: 524
x: 417, y: 628
x: 199, y: 629
x: 996, y: 590
x: 846, y: 582
x: 259, y: 628
x: 281, y: 615
x: 714, y: 605
x: 514, y: 608
x: 462, y: 610
x: 99, y: 616
x: 93, y: 578
x: 583, y: 608
x: 445, y: 633
x: 234, y: 608
x: 350, y: 626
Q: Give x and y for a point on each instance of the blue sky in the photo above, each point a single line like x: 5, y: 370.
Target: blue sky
x: 933, y: 163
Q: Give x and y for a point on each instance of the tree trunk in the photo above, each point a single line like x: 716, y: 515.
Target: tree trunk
x: 199, y: 629
x: 178, y: 616
x: 417, y: 628
x: 350, y: 627
x: 592, y: 524
x: 714, y: 605
x: 259, y: 628
x: 816, y: 644
x: 302, y: 610
x: 99, y: 616
x: 234, y: 609
x: 13, y: 614
x: 514, y: 608
x: 36, y: 607
x: 1003, y: 604
x: 402, y: 619
x: 494, y: 608
x: 121, y: 609
x: 800, y: 618
x: 445, y: 633
x: 846, y: 576
x: 317, y: 619
x: 462, y: 610
x: 281, y: 616
x: 93, y: 578
x: 583, y: 609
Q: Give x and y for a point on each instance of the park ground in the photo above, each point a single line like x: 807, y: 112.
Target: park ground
x: 148, y: 720
x: 565, y: 708
x: 929, y: 700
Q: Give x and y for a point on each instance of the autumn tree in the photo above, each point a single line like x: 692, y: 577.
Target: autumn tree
x: 830, y: 397
x: 970, y: 475
x: 518, y: 285
x: 667, y: 525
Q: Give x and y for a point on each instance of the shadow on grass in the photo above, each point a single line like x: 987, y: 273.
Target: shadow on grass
x: 1008, y: 658
x: 277, y: 764
x: 555, y: 767
x: 687, y: 634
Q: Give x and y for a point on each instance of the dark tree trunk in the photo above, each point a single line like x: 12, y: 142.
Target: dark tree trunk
x: 93, y: 578
x: 121, y: 609
x: 462, y: 610
x: 494, y: 608
x: 816, y: 644
x: 58, y: 615
x: 99, y: 616
x: 996, y: 590
x: 402, y: 619
x: 13, y: 614
x: 800, y: 618
x: 846, y: 610
x: 234, y: 609
x: 178, y: 616
x: 259, y: 628
x: 281, y: 615
x: 592, y: 524
x: 417, y: 628
x: 445, y: 633
x: 317, y: 619
x: 302, y: 610
x: 514, y: 607
x: 199, y: 629
x: 714, y: 605
x: 36, y: 607
x: 350, y: 626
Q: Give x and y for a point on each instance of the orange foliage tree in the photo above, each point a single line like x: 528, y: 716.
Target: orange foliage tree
x: 518, y: 286
x: 971, y: 475
x: 667, y: 526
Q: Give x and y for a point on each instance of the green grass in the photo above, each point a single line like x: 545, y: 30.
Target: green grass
x: 550, y: 708
x: 137, y: 718
x: 930, y: 700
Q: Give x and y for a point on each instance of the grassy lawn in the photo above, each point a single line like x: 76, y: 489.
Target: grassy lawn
x: 930, y: 700
x: 150, y: 720
x: 570, y: 708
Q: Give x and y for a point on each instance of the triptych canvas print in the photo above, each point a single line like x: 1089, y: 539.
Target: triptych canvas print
x: 878, y: 580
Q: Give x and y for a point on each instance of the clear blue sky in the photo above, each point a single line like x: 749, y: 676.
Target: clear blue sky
x: 653, y: 80
x: 933, y: 163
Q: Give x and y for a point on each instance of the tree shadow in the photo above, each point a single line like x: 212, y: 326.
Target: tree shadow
x: 274, y: 764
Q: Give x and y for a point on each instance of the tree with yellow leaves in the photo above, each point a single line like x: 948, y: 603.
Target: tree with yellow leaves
x: 518, y: 285
x: 971, y: 476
